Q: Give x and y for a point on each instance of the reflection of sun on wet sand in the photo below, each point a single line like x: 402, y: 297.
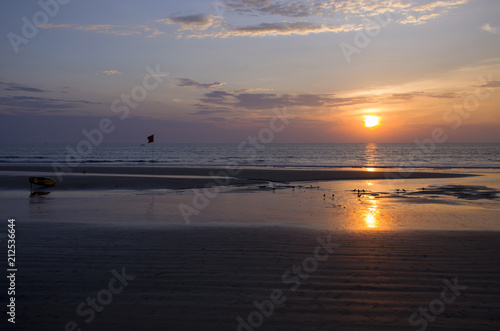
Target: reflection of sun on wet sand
x: 371, y: 215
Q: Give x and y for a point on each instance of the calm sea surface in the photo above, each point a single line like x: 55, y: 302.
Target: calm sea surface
x: 270, y: 155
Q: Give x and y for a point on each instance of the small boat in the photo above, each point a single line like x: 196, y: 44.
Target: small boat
x: 42, y: 181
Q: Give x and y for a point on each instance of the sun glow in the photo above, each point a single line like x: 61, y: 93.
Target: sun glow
x: 371, y: 121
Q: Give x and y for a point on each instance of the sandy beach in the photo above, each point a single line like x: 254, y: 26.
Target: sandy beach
x: 277, y: 249
x: 187, y: 279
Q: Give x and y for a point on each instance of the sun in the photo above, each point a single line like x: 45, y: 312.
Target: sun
x: 372, y: 121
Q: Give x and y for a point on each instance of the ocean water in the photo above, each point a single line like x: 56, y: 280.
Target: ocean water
x: 449, y: 155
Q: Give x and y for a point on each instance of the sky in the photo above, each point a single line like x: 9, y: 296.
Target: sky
x: 218, y: 70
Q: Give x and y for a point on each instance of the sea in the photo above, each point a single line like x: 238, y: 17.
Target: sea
x: 308, y: 155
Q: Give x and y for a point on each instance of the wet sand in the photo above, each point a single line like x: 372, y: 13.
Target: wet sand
x: 205, y: 278
x: 140, y: 178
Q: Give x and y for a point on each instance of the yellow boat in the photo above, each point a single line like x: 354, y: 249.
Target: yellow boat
x: 43, y: 181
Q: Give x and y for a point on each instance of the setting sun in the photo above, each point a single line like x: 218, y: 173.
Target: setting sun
x: 371, y: 121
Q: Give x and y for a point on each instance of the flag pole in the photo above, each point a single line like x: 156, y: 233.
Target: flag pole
x: 151, y: 139
x: 153, y: 157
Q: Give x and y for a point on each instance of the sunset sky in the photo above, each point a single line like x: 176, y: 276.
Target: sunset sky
x: 226, y: 64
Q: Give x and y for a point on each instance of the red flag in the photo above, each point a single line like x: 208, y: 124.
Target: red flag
x: 151, y: 139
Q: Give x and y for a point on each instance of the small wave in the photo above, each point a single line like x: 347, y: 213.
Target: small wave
x: 15, y: 157
x: 97, y: 161
x: 245, y: 163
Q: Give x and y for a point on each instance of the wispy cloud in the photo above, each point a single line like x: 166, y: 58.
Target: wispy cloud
x: 235, y: 102
x: 365, y: 8
x: 150, y: 32
x: 109, y: 72
x: 287, y: 9
x: 12, y: 87
x: 192, y: 83
x: 287, y: 18
x: 444, y: 95
x: 281, y: 28
x: 273, y: 100
x: 117, y: 30
x: 303, y: 17
x: 192, y: 22
x: 439, y: 5
x: 210, y: 111
x: 493, y: 83
x: 248, y: 90
x: 40, y: 104
x: 492, y: 29
x: 412, y: 95
x: 416, y: 20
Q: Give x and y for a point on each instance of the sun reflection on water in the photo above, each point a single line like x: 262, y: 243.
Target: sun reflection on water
x: 371, y: 156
